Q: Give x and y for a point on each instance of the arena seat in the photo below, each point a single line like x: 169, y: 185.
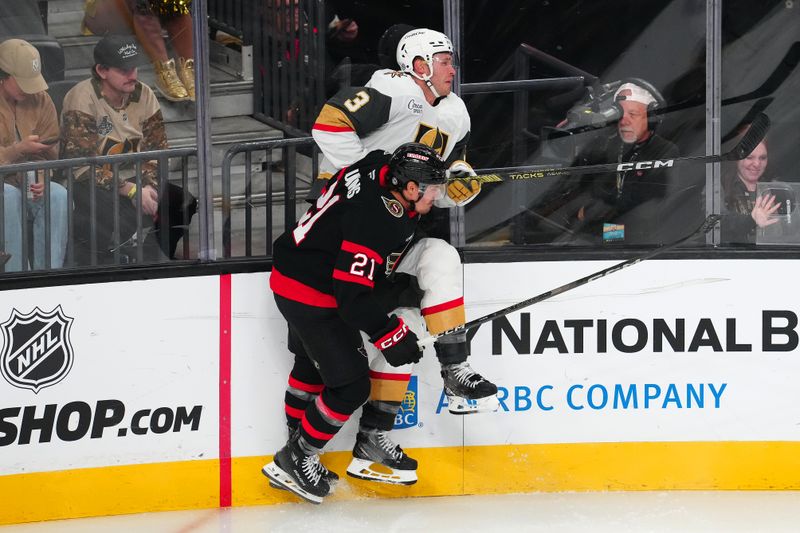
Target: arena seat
x: 22, y: 19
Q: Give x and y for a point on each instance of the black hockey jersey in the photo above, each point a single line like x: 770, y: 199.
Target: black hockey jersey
x: 336, y: 252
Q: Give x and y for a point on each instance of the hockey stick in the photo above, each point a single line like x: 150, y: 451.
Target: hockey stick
x: 784, y: 69
x: 755, y: 134
x: 707, y: 225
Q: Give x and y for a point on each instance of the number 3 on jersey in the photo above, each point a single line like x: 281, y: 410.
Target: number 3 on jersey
x: 357, y: 102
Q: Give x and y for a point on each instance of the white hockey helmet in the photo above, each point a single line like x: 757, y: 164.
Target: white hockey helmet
x: 422, y: 43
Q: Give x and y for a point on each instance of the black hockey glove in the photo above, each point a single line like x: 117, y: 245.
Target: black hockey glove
x: 397, y: 343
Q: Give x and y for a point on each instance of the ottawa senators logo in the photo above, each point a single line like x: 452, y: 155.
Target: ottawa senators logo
x: 394, y: 207
x: 37, y: 352
x: 433, y: 137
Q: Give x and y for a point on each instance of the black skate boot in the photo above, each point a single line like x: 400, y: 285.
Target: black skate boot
x: 467, y: 391
x: 373, y: 448
x: 296, y: 470
x: 328, y: 475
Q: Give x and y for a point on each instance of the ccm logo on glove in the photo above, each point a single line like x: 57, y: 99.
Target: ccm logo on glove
x: 393, y: 337
x: 398, y: 343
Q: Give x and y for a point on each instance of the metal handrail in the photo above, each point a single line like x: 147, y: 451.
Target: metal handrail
x: 68, y: 165
x: 289, y: 193
x: 98, y: 160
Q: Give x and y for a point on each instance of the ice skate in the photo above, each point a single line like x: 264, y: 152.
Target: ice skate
x: 301, y: 473
x: 328, y: 475
x: 467, y: 391
x: 331, y: 477
x: 377, y: 458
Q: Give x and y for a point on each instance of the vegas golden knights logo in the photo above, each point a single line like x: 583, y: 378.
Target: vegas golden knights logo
x: 433, y: 137
x: 37, y: 352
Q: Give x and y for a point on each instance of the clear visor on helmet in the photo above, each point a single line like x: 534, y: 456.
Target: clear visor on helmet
x: 433, y: 191
x: 446, y: 59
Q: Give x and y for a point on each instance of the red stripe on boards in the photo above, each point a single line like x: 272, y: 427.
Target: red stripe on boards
x: 225, y: 390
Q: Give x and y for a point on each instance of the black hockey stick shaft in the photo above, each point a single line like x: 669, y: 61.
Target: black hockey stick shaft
x: 784, y: 69
x: 707, y: 225
x: 755, y: 134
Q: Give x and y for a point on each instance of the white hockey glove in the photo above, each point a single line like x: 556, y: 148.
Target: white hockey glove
x: 459, y: 190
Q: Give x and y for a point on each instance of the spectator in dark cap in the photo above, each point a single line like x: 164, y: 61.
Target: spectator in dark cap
x: 113, y: 113
x: 119, y: 51
x: 148, y: 20
x: 29, y: 132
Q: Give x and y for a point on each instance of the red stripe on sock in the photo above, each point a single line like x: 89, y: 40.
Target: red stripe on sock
x: 314, y: 432
x: 307, y: 387
x: 294, y: 412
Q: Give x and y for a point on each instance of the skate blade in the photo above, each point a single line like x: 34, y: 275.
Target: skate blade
x: 362, y: 469
x: 277, y: 475
x: 273, y: 484
x: 279, y: 487
x: 461, y: 406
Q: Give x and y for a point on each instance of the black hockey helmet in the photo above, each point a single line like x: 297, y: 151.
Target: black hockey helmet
x: 418, y: 163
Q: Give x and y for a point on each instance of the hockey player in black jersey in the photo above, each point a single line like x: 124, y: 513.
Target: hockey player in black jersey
x: 324, y: 272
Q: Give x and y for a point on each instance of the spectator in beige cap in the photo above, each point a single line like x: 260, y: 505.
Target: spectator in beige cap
x: 29, y: 132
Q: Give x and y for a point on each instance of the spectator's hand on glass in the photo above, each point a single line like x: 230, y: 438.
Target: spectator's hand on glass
x: 764, y: 209
x: 150, y: 200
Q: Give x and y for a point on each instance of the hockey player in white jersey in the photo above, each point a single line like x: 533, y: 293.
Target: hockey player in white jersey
x: 415, y: 104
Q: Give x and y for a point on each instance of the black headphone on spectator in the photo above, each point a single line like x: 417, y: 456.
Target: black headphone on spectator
x: 654, y: 118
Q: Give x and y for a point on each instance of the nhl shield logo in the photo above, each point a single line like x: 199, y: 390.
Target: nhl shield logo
x: 37, y: 352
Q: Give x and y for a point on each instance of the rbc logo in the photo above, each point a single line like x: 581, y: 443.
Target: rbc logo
x: 407, y: 415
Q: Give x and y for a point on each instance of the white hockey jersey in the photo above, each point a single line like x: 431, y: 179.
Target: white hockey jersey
x: 389, y: 111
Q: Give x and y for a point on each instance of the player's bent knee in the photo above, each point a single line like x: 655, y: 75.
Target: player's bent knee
x: 347, y: 398
x: 439, y: 261
x: 441, y: 251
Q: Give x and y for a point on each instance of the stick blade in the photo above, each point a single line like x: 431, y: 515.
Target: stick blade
x: 755, y: 134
